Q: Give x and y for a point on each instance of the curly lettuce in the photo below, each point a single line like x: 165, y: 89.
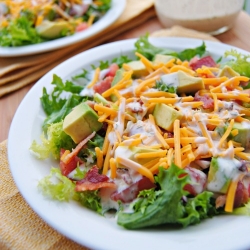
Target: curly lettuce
x: 167, y: 206
x: 52, y: 143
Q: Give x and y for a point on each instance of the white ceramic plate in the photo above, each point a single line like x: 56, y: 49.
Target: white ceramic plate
x: 110, y: 17
x: 87, y: 227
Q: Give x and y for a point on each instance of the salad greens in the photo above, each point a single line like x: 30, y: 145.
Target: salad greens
x: 167, y: 200
x: 166, y: 206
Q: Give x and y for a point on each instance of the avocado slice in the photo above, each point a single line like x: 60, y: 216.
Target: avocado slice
x: 189, y: 84
x: 138, y: 68
x: 130, y: 152
x: 100, y: 99
x: 221, y: 172
x: 161, y: 59
x: 51, y: 30
x: 165, y: 116
x: 183, y: 82
x: 117, y: 78
x: 243, y: 135
x: 81, y: 122
x: 228, y: 72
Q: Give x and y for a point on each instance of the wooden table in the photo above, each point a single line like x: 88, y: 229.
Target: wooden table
x: 238, y: 36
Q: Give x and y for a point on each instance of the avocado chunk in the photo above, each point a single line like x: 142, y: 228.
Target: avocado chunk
x: 228, y: 72
x: 100, y: 99
x: 221, y: 172
x: 161, y: 59
x: 243, y: 135
x: 81, y: 122
x: 139, y: 69
x: 183, y: 82
x: 117, y: 78
x: 51, y: 30
x: 165, y: 116
x: 130, y: 152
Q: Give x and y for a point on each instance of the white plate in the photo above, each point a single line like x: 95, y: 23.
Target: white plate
x: 110, y: 17
x: 87, y: 227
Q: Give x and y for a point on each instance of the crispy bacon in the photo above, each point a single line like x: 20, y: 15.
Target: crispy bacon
x: 103, y: 85
x: 241, y: 195
x: 93, y: 181
x: 112, y: 69
x: 130, y: 193
x: 208, y: 102
x: 70, y: 166
x: 204, y: 61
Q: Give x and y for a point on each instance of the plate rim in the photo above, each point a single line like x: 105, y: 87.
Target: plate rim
x: 116, y: 10
x: 12, y: 135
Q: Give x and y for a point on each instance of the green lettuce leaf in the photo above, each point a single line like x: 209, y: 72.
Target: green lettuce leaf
x: 51, y: 144
x: 19, y: 32
x: 57, y: 187
x: 240, y: 63
x: 167, y: 207
x: 144, y: 47
x: 90, y: 199
x: 244, y: 210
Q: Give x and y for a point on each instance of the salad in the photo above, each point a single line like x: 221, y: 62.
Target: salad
x: 31, y: 22
x: 160, y: 138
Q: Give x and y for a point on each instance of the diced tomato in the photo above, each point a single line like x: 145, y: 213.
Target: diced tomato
x: 70, y: 166
x: 112, y: 70
x: 103, y: 85
x: 205, y: 61
x: 208, y: 102
x: 81, y: 27
x: 198, y: 181
x: 93, y: 181
x: 130, y: 193
x: 241, y: 195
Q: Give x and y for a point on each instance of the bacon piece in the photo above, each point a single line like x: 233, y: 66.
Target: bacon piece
x: 220, y: 201
x: 205, y: 61
x: 208, y: 102
x: 130, y: 193
x: 112, y: 70
x: 70, y: 166
x: 241, y: 195
x: 103, y: 85
x: 93, y: 181
x: 75, y: 151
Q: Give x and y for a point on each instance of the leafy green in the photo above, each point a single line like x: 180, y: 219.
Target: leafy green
x: 20, y: 32
x: 121, y: 60
x: 167, y: 206
x: 163, y: 87
x: 144, y: 47
x: 57, y: 108
x: 240, y: 63
x: 90, y: 199
x: 80, y: 174
x: 57, y: 186
x: 51, y: 144
x: 245, y: 210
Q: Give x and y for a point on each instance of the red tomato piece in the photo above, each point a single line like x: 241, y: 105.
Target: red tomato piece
x: 205, y: 61
x: 103, y: 85
x: 67, y: 168
x: 112, y: 70
x: 81, y: 27
x: 130, y: 193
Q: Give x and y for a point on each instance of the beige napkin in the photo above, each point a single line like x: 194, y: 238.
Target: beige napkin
x: 18, y: 72
x: 20, y: 227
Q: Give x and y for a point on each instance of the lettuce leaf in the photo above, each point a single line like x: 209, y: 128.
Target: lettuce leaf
x: 57, y: 187
x: 51, y: 144
x: 19, y: 32
x: 144, y: 47
x: 90, y: 199
x: 244, y: 210
x: 240, y: 63
x: 167, y: 206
